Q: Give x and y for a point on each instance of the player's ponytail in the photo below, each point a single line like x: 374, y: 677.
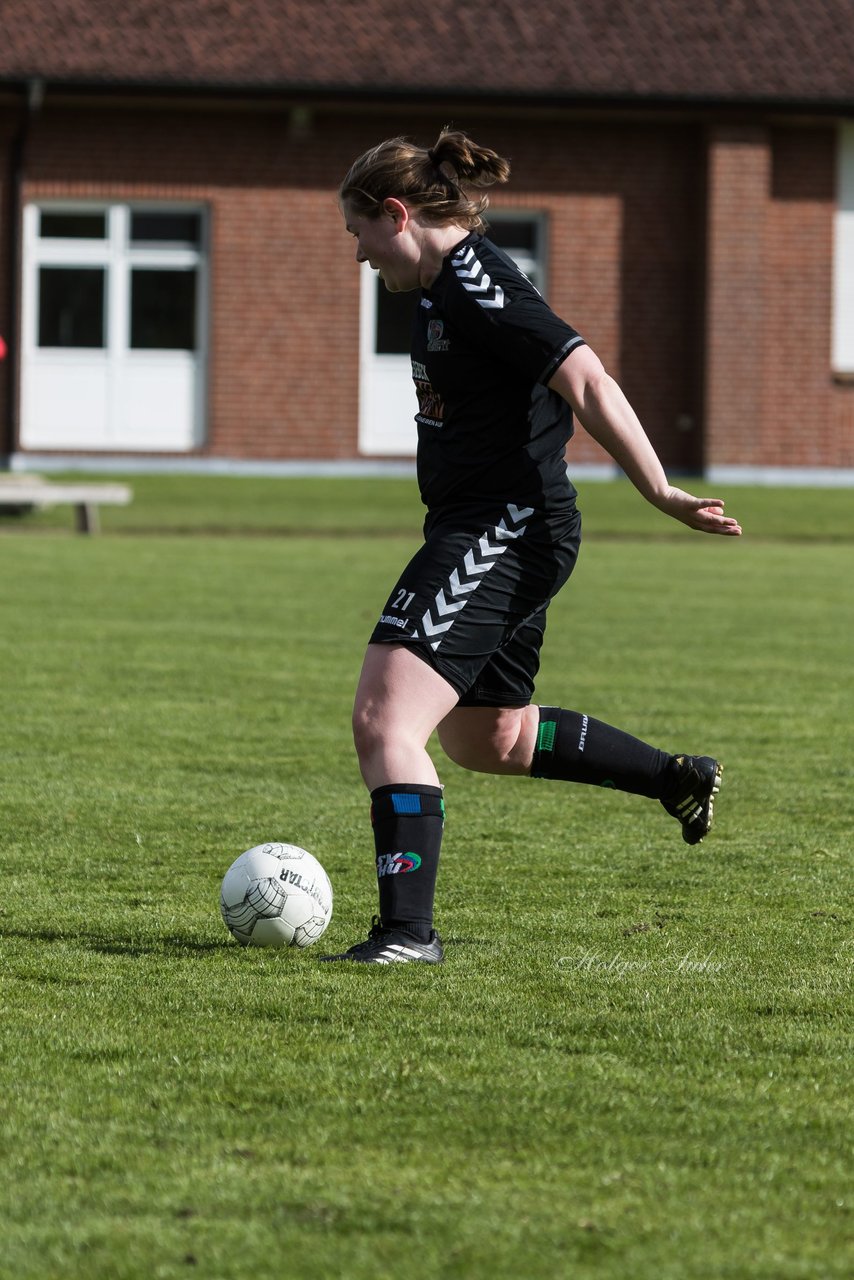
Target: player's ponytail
x: 479, y: 166
x: 434, y: 181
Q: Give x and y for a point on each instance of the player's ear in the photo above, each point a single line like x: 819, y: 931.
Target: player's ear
x: 397, y: 211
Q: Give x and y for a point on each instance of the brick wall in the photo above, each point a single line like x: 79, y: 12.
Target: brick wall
x: 739, y: 182
x: 714, y: 316
x: 771, y: 397
x: 625, y: 256
x: 808, y: 418
x: 284, y: 295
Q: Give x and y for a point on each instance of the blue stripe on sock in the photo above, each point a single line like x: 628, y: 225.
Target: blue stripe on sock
x: 404, y: 803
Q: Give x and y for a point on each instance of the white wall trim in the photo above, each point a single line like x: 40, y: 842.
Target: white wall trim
x: 779, y: 477
x: 126, y: 464
x: 784, y: 477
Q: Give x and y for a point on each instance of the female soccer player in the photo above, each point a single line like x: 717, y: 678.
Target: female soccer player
x: 498, y: 377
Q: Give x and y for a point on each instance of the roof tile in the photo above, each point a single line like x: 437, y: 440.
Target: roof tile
x: 736, y: 50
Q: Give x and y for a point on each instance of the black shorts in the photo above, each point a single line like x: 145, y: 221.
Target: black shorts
x: 472, y: 602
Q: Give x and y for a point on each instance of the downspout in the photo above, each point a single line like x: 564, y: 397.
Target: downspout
x: 34, y: 96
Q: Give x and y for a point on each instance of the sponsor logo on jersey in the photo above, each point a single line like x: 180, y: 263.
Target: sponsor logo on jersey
x: 431, y: 408
x: 393, y: 864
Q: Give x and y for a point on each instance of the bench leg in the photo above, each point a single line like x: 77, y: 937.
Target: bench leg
x: 87, y: 518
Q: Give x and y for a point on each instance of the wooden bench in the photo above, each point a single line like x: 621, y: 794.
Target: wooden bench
x: 24, y: 492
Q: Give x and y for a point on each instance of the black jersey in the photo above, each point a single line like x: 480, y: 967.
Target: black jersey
x: 485, y: 345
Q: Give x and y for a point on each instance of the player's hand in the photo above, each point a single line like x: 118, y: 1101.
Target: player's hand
x: 703, y: 514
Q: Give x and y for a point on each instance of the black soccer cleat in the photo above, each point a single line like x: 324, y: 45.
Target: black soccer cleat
x: 392, y: 946
x: 692, y: 802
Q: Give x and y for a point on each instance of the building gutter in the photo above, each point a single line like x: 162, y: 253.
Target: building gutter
x: 330, y: 94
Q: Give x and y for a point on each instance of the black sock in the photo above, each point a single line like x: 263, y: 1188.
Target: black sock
x: 408, y: 822
x: 578, y: 748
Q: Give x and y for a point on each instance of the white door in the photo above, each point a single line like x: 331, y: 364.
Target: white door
x: 843, y: 256
x: 114, y: 301
x: 387, y: 402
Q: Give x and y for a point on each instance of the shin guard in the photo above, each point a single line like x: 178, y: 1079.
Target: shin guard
x: 408, y: 822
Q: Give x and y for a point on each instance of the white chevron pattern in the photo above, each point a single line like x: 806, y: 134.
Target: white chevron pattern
x: 474, y: 279
x: 451, y: 599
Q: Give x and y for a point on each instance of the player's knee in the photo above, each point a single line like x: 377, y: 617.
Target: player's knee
x: 375, y: 731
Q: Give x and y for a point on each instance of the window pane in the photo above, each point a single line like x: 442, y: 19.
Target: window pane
x: 519, y: 238
x: 72, y: 226
x: 176, y: 228
x: 71, y: 307
x: 163, y: 310
x: 395, y: 316
x: 513, y: 233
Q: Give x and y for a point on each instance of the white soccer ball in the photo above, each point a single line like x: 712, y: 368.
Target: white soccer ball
x: 276, y: 895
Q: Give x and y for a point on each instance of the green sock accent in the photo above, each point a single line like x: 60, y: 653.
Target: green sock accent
x: 546, y: 735
x: 576, y: 748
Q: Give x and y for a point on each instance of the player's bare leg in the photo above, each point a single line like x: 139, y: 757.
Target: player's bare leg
x: 399, y: 702
x: 491, y: 739
x: 552, y: 743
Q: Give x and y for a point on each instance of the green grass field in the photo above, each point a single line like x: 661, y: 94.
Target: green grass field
x: 636, y: 1060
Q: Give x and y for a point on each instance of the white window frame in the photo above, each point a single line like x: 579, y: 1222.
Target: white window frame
x: 118, y: 257
x: 532, y: 262
x: 843, y: 255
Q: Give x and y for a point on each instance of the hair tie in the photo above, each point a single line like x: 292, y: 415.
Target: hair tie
x: 444, y: 168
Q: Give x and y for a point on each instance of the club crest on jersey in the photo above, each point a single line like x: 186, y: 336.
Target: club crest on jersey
x: 435, y: 341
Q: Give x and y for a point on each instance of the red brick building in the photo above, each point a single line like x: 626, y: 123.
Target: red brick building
x: 175, y: 282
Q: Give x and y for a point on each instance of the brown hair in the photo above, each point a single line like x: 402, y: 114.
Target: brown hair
x: 431, y: 180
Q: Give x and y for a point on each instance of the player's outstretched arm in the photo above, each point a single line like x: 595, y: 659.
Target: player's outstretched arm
x: 603, y: 410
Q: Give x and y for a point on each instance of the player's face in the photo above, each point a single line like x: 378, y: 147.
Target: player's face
x: 387, y: 244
